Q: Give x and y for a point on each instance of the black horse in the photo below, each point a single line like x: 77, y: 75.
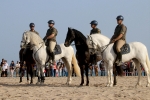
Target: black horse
x: 83, y: 56
x: 29, y: 63
x: 82, y: 51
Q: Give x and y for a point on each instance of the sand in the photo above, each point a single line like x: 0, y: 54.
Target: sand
x: 56, y: 89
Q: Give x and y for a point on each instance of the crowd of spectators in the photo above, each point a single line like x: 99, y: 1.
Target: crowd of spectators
x: 58, y: 69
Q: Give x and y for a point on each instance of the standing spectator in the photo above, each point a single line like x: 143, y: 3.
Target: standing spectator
x: 51, y: 70
x: 2, y: 62
x: 54, y: 68
x: 124, y: 69
x: 3, y: 74
x: 35, y: 70
x: 63, y: 69
x: 6, y: 66
x: 47, y: 74
x: 12, y: 67
x: 57, y: 72
x: 102, y: 68
x: 17, y: 69
x: 96, y: 70
x: 90, y: 69
x: 60, y: 69
x: 73, y: 71
x: 143, y: 71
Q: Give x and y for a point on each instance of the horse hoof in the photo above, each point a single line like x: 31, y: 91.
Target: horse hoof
x: 31, y: 82
x: 110, y: 85
x: 42, y: 83
x: 138, y: 84
x: 28, y: 82
x: 107, y: 85
x: 38, y: 83
x: 147, y: 85
x: 20, y: 81
x: 87, y: 85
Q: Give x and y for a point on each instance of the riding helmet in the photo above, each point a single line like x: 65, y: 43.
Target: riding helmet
x: 94, y: 22
x: 120, y: 17
x: 51, y: 22
x: 31, y: 25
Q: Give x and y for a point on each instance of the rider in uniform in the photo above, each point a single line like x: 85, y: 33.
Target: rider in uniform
x: 119, y: 38
x: 51, y: 38
x: 31, y: 25
x: 94, y: 30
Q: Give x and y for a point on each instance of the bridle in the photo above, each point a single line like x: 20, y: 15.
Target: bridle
x: 101, y: 49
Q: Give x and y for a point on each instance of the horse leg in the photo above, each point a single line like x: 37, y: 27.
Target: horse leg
x: 87, y: 76
x: 28, y: 82
x: 108, y: 75
x: 31, y: 74
x: 111, y: 77
x: 42, y: 68
x: 69, y: 68
x: 20, y: 75
x: 39, y: 75
x: 115, y: 75
x: 137, y: 63
x: 82, y: 74
x: 147, y: 72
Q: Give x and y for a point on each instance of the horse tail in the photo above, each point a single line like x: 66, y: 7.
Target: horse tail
x: 119, y: 70
x: 75, y: 65
x: 148, y: 62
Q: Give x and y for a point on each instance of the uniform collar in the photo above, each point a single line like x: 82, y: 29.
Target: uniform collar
x: 32, y: 31
x: 51, y: 28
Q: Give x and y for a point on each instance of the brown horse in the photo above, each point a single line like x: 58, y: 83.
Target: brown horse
x: 27, y: 57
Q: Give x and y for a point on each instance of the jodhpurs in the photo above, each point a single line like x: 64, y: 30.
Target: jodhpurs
x: 120, y: 43
x: 52, y: 45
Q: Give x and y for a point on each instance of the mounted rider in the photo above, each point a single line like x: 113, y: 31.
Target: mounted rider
x: 94, y: 30
x: 119, y: 38
x: 32, y: 26
x: 51, y: 39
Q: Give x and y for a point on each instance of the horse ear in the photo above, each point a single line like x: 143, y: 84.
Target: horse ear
x: 88, y: 36
x: 68, y: 28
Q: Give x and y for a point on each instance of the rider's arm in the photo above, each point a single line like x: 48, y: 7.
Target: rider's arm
x: 54, y: 32
x: 51, y: 36
x: 118, y: 37
x: 121, y: 33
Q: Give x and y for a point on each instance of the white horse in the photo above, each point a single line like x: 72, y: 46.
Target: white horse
x: 41, y: 57
x: 138, y: 52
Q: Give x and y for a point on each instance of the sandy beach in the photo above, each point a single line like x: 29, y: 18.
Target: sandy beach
x: 56, y: 89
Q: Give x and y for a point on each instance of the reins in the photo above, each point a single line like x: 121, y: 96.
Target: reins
x: 105, y: 47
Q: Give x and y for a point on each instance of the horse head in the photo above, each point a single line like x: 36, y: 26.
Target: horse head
x: 70, y: 37
x: 25, y: 40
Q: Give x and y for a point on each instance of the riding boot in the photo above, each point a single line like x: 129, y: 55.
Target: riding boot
x: 53, y: 57
x: 120, y: 59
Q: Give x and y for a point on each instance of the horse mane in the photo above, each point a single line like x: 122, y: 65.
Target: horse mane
x: 79, y: 34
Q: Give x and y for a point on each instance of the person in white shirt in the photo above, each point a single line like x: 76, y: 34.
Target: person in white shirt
x: 6, y: 67
x: 4, y: 70
x: 17, y: 69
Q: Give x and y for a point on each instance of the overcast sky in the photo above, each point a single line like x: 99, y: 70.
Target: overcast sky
x: 15, y: 16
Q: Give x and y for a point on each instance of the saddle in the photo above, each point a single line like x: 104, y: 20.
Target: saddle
x: 57, y: 50
x: 125, y: 49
